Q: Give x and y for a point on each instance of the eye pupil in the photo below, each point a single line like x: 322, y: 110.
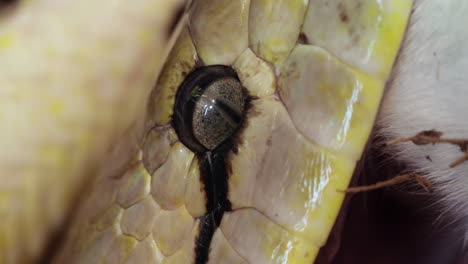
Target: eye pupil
x: 209, y: 107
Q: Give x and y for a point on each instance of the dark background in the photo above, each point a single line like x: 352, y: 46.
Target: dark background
x: 398, y: 224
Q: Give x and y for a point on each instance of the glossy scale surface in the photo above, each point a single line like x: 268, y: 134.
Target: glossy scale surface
x: 318, y: 81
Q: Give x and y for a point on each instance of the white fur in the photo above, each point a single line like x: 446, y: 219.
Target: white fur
x: 429, y: 90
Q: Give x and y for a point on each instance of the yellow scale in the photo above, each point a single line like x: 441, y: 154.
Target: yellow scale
x: 317, y: 70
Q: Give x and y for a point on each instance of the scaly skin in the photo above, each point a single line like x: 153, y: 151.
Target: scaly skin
x: 73, y: 75
x: 284, y: 177
x: 143, y: 207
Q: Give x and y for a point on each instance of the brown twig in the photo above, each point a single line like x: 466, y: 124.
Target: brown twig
x: 426, y: 184
x: 433, y: 137
x: 459, y: 161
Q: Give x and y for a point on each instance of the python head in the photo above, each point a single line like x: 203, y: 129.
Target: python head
x: 228, y: 136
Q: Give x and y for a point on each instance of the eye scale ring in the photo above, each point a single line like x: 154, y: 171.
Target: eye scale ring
x: 209, y: 107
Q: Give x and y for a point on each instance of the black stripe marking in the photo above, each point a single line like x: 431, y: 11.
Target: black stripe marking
x: 207, y: 228
x: 214, y: 175
x: 214, y: 165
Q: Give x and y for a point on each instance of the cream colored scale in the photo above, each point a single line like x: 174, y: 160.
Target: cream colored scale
x: 317, y: 70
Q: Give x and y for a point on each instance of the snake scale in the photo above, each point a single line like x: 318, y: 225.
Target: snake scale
x: 311, y: 74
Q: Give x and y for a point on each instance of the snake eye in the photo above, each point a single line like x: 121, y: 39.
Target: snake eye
x: 209, y: 107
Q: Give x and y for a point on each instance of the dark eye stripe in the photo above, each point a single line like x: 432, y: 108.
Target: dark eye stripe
x: 233, y: 115
x: 207, y: 228
x: 208, y: 111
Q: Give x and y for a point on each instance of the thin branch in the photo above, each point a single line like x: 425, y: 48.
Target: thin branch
x: 459, y: 161
x: 435, y: 137
x: 425, y: 183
